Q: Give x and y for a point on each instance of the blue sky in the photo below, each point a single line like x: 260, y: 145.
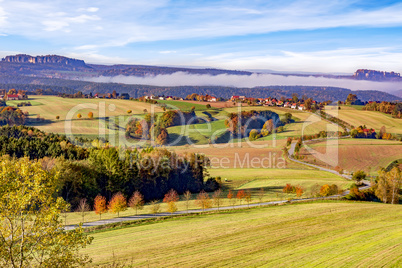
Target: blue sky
x: 308, y: 36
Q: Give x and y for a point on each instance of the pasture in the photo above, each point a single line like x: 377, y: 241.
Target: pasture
x: 271, y: 180
x: 275, y: 179
x: 357, y: 154
x: 322, y: 234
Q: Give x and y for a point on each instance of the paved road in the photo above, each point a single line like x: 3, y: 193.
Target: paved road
x: 151, y: 216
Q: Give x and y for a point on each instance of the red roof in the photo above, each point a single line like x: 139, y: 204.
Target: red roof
x: 12, y: 96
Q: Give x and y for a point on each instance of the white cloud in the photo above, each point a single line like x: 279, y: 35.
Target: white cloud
x: 127, y: 22
x: 54, y: 25
x: 254, y: 80
x: 89, y: 9
x: 167, y: 52
x: 327, y: 61
x: 94, y: 57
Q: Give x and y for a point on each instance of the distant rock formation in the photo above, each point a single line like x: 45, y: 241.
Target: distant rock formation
x: 364, y: 74
x: 53, y: 59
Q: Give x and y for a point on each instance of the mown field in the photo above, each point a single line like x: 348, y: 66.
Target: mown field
x: 371, y: 119
x: 275, y: 179
x: 358, y: 154
x: 48, y: 107
x: 331, y: 234
x: 249, y: 179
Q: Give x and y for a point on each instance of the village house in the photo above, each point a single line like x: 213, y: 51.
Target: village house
x: 294, y: 106
x: 13, y: 97
x: 301, y: 107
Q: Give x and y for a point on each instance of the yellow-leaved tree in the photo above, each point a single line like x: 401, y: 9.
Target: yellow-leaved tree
x: 31, y: 229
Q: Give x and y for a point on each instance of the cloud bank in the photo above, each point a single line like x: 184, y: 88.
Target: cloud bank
x: 254, y: 80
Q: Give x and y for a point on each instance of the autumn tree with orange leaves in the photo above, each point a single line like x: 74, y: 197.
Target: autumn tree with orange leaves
x: 117, y: 203
x: 203, y: 200
x: 100, y: 205
x: 136, y: 201
x: 231, y: 199
x: 240, y: 195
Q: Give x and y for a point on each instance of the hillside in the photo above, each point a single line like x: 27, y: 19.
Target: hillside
x: 303, y: 235
x: 135, y: 91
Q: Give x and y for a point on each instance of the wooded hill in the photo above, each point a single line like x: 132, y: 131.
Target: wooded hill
x: 136, y: 91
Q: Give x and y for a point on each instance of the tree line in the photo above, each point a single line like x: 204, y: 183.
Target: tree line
x: 100, y: 169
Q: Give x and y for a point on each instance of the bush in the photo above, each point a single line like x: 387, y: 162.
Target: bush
x: 253, y: 135
x: 212, y: 184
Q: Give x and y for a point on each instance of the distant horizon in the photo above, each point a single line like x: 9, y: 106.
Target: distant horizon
x: 262, y: 71
x: 286, y: 36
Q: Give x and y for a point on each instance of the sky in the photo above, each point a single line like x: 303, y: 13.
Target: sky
x: 289, y: 36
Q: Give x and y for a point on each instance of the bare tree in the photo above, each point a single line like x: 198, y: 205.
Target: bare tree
x: 83, y: 208
x: 187, y: 197
x: 155, y: 206
x: 217, y: 196
x: 247, y: 196
x: 261, y: 194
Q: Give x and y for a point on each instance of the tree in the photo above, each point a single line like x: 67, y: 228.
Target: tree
x: 57, y: 117
x: 155, y: 206
x: 351, y: 99
x: 129, y: 111
x: 136, y: 201
x: 231, y: 199
x: 295, y: 97
x: 79, y: 116
x: 253, y: 135
x: 261, y: 194
x: 83, y: 208
x: 171, y: 198
x: 31, y: 229
x: 358, y: 176
x: 217, y: 196
x: 389, y: 183
x: 187, y: 197
x: 269, y: 125
x: 117, y: 203
x: 299, y: 191
x: 203, y: 200
x: 100, y: 205
x: 208, y: 106
x: 240, y: 195
x: 90, y: 115
x: 247, y: 197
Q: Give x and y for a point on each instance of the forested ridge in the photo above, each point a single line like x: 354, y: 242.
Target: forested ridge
x: 71, y: 86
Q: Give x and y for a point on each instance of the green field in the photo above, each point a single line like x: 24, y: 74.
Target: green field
x: 183, y: 105
x: 371, y: 119
x: 271, y: 180
x: 110, y: 115
x: 305, y: 124
x: 332, y: 234
x: 276, y: 179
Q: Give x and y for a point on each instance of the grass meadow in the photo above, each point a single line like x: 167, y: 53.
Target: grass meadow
x: 271, y: 180
x: 48, y: 107
x: 319, y: 234
x: 371, y: 119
